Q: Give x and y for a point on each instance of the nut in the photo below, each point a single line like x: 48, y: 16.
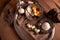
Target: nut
x: 29, y: 26
x: 33, y: 27
x: 37, y: 30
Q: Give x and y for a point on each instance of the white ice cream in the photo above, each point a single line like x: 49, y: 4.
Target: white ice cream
x: 46, y: 26
x: 21, y: 10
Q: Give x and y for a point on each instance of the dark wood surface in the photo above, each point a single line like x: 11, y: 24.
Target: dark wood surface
x: 2, y: 4
x: 6, y: 32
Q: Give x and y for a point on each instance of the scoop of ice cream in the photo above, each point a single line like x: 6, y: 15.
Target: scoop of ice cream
x: 46, y: 26
x: 21, y: 10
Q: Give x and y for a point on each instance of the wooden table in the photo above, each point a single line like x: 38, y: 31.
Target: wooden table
x: 8, y: 33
